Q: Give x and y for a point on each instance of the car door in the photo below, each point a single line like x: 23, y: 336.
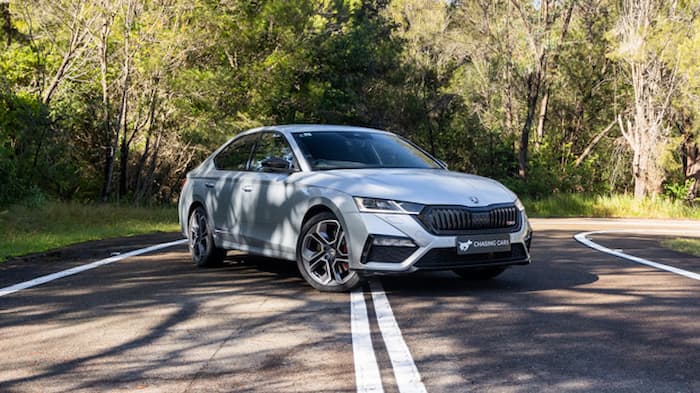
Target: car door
x: 223, y: 197
x: 268, y: 195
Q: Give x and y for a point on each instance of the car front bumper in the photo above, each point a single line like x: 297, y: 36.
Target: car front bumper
x: 430, y: 252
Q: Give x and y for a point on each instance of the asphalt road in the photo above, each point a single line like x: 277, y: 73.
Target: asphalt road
x: 576, y: 320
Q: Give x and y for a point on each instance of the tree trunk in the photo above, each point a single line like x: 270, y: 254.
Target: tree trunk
x: 591, y: 145
x: 58, y: 76
x: 139, y: 185
x: 123, y: 165
x: 7, y: 21
x: 78, y: 37
x: 692, y: 168
x: 148, y: 183
x: 121, y: 119
x: 533, y: 88
x: 109, y: 164
x: 115, y: 142
x: 640, y: 179
x: 544, y: 103
x: 109, y: 151
x: 510, y: 118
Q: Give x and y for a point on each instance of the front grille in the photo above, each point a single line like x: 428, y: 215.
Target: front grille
x: 457, y: 220
x: 447, y: 258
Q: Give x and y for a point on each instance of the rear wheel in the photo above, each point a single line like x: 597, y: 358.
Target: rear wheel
x: 322, y: 255
x: 479, y: 274
x: 201, y: 240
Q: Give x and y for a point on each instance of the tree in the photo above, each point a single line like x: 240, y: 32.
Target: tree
x: 687, y: 104
x: 653, y: 82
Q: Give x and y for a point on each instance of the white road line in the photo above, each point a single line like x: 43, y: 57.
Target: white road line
x: 583, y: 239
x: 82, y: 268
x: 367, y: 376
x: 405, y: 371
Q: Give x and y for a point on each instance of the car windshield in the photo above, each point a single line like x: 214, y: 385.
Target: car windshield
x: 325, y: 150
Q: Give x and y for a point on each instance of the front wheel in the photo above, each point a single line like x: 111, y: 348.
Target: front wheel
x: 201, y: 240
x: 479, y: 274
x: 322, y: 255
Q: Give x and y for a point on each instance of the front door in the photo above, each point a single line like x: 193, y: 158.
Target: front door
x: 225, y: 202
x: 266, y: 194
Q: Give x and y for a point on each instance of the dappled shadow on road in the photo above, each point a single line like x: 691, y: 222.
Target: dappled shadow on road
x: 28, y: 267
x: 156, y: 323
x: 573, y: 321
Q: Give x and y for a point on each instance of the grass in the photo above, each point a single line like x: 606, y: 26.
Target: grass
x: 687, y: 246
x: 50, y: 225
x: 580, y: 205
x: 25, y: 229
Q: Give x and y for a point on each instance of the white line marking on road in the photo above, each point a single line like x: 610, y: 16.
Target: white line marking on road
x: 82, y: 268
x: 405, y: 371
x: 583, y: 239
x: 367, y: 376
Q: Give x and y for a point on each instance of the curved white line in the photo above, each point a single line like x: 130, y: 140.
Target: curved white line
x: 82, y: 268
x: 583, y: 239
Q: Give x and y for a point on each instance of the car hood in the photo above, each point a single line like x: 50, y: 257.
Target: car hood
x: 424, y: 186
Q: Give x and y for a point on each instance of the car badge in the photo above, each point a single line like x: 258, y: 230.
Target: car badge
x: 474, y: 199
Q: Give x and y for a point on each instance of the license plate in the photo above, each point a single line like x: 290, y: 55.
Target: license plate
x: 480, y: 244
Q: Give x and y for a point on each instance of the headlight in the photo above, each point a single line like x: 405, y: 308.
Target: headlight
x: 375, y: 205
x: 519, y: 204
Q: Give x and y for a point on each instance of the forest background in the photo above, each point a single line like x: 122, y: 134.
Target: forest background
x: 115, y: 100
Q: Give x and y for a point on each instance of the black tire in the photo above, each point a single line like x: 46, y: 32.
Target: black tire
x: 201, y: 240
x: 322, y: 255
x: 479, y: 274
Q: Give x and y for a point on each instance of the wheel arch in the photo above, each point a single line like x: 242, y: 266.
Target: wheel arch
x: 318, y: 205
x: 195, y: 203
x: 336, y: 205
x: 314, y: 210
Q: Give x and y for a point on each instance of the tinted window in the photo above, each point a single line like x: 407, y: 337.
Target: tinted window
x: 235, y: 156
x: 271, y: 145
x: 348, y: 149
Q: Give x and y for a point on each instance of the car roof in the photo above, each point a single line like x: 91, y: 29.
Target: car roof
x: 294, y: 128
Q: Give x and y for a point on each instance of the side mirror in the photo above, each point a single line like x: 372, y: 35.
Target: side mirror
x: 276, y: 165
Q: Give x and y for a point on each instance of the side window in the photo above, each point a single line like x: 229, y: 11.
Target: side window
x: 235, y: 156
x: 271, y: 145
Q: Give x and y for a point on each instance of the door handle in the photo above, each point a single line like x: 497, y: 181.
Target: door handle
x: 247, y: 188
x: 209, y: 185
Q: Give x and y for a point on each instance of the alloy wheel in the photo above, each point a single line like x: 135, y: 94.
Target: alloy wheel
x: 199, y: 234
x: 324, y: 253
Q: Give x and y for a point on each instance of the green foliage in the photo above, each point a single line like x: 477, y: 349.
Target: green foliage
x: 24, y: 130
x: 451, y: 76
x: 678, y: 191
x: 35, y: 227
x: 18, y: 65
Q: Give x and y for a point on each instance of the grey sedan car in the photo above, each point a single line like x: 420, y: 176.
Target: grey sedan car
x: 345, y: 202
